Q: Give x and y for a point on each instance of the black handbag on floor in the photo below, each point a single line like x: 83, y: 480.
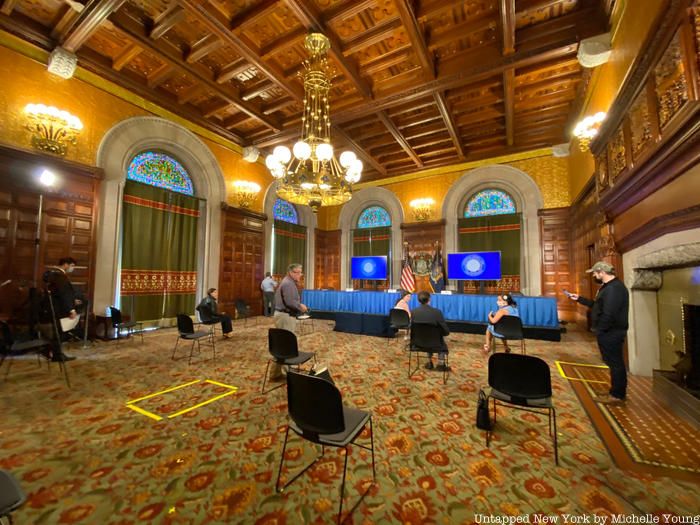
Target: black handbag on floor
x: 483, y: 420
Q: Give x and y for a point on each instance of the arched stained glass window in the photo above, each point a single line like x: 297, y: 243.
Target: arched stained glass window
x: 374, y: 217
x: 489, y: 202
x: 285, y: 211
x: 161, y: 170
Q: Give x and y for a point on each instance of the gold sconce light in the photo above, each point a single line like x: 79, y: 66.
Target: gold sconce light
x: 588, y: 128
x: 422, y: 208
x: 52, y: 129
x: 244, y: 192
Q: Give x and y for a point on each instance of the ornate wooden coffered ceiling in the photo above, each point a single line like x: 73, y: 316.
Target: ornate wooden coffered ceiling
x: 417, y: 84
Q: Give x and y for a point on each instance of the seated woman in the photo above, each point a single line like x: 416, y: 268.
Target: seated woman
x: 209, y: 312
x: 402, y: 302
x: 506, y: 306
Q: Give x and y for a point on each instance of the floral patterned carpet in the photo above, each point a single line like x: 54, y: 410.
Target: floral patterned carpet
x: 83, y: 456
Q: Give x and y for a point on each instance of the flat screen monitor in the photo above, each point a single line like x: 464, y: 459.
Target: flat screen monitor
x: 474, y: 266
x: 368, y: 267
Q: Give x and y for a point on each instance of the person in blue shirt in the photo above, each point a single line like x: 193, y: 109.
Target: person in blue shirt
x: 506, y: 306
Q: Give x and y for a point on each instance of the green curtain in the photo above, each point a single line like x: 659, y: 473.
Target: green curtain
x: 372, y: 241
x: 159, y: 252
x: 290, y: 246
x: 495, y: 233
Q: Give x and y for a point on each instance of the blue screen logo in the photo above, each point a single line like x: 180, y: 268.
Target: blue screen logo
x: 473, y: 265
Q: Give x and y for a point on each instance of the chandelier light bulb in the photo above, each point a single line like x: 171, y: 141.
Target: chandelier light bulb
x: 346, y: 158
x: 271, y: 161
x: 302, y: 150
x: 357, y: 166
x: 283, y: 154
x: 324, y: 152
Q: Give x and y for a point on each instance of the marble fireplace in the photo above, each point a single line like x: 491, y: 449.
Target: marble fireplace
x: 663, y: 277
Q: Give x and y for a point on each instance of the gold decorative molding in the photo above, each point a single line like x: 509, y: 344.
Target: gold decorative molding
x: 602, y: 171
x: 616, y: 155
x: 640, y: 124
x: 670, y: 81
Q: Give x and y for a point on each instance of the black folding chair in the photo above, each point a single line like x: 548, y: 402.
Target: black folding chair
x: 205, y: 318
x: 43, y: 348
x: 511, y: 328
x: 400, y: 320
x: 427, y: 338
x: 317, y: 414
x: 119, y: 324
x: 185, y: 328
x: 522, y: 382
x: 243, y: 311
x: 11, y: 495
x: 284, y: 350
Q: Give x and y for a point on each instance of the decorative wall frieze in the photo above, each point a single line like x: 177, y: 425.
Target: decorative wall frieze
x: 617, y: 155
x: 670, y: 81
x: 647, y: 280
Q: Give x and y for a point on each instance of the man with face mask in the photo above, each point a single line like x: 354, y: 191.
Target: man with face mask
x: 610, y: 310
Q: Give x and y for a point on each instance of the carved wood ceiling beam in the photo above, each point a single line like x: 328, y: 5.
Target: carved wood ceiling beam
x: 219, y: 26
x: 87, y: 23
x: 167, y: 20
x: 67, y: 19
x: 126, y: 56
x: 535, y: 5
x: 435, y: 7
x: 474, y: 70
x: 459, y: 31
x: 509, y: 102
x: 256, y: 89
x: 8, y: 6
x: 415, y: 36
x: 190, y: 93
x: 160, y: 75
x: 312, y: 21
x: 359, y: 150
x: 235, y: 120
x: 426, y: 119
x: 166, y: 52
x: 399, y: 138
x: 380, y: 32
x: 277, y: 105
x: 425, y: 131
x: 215, y: 107
x: 289, y: 39
x: 340, y: 12
x: 507, y: 11
x: 449, y: 123
x: 252, y: 14
x: 101, y: 66
x: 202, y: 48
x: 232, y: 70
x: 386, y: 61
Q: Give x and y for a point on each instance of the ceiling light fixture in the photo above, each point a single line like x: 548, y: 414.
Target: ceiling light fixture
x: 312, y: 176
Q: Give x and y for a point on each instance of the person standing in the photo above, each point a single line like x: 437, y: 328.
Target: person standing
x: 209, y: 312
x: 609, y: 316
x: 268, y: 286
x: 287, y: 306
x: 426, y: 314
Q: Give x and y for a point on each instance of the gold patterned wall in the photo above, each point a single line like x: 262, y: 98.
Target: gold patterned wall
x: 28, y: 81
x: 549, y: 173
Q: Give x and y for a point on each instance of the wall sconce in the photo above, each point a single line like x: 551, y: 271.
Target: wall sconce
x: 244, y: 192
x: 588, y: 128
x: 422, y: 208
x: 52, y: 129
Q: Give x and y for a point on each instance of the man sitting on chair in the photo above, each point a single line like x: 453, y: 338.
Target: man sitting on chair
x: 426, y: 314
x: 209, y: 312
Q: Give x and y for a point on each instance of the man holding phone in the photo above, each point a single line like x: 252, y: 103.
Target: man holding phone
x: 610, y: 310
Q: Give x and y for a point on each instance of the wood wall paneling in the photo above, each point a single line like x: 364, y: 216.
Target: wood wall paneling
x: 68, y: 221
x: 327, y: 259
x: 556, y: 259
x: 242, y: 258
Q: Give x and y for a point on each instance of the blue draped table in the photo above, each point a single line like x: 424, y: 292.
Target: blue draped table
x: 536, y: 312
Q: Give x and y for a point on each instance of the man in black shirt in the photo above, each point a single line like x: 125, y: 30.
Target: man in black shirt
x: 610, y: 310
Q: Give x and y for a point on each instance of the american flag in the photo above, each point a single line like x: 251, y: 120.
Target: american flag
x: 408, y: 282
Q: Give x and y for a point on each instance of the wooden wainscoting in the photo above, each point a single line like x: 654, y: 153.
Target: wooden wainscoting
x: 327, y: 259
x: 556, y: 259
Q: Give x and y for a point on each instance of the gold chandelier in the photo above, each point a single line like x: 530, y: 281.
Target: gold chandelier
x: 587, y: 129
x: 312, y: 175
